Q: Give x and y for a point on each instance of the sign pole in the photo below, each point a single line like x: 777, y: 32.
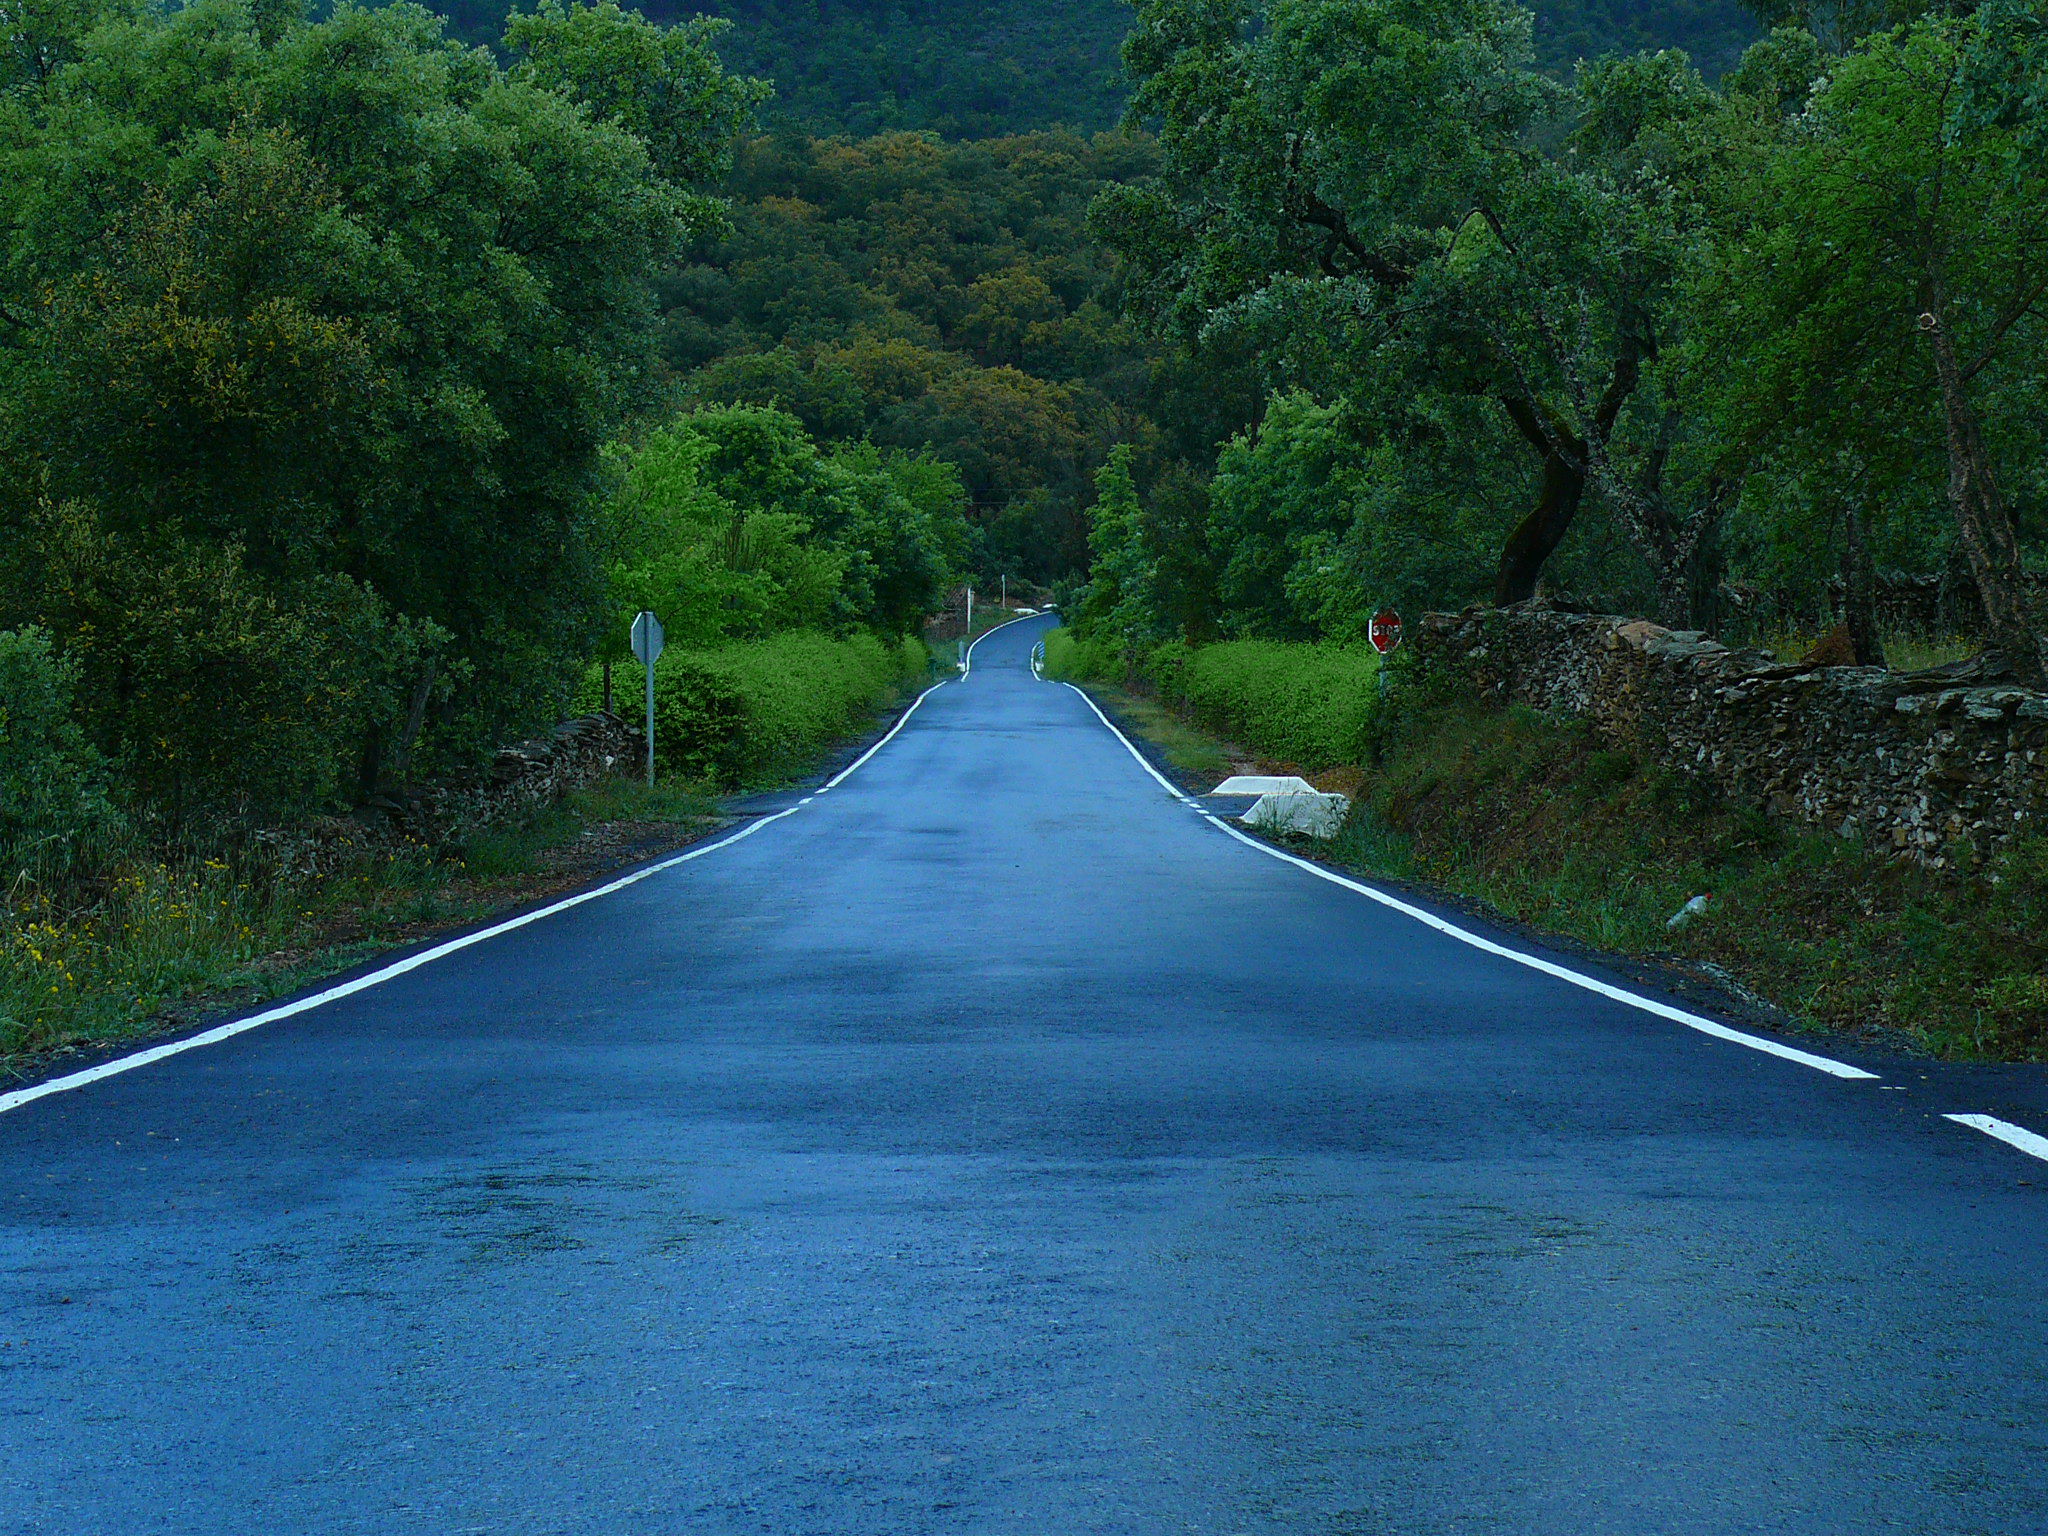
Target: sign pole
x: 647, y: 644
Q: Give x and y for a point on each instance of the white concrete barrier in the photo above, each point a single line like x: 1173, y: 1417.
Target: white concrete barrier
x: 1264, y: 784
x: 1310, y: 814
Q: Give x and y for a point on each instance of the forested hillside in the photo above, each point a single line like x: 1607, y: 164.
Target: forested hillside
x: 985, y: 68
x: 921, y: 295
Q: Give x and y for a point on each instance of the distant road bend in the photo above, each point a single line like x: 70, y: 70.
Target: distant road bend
x: 991, y: 1144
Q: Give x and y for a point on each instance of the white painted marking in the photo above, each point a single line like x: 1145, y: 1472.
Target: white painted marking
x: 847, y: 772
x: 967, y: 662
x: 1705, y: 1026
x: 2012, y: 1135
x: 228, y: 1031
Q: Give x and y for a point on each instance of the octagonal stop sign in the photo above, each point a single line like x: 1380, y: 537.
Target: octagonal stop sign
x: 1385, y: 631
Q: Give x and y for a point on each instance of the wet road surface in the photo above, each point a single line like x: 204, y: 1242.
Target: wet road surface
x: 994, y: 1146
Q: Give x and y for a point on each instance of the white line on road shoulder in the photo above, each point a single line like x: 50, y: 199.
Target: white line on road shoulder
x: 1705, y: 1026
x: 967, y: 662
x: 228, y: 1031
x: 2012, y: 1135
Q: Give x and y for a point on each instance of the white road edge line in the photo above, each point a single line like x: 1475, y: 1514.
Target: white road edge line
x: 967, y: 662
x: 1705, y: 1026
x: 2012, y: 1135
x: 233, y: 1027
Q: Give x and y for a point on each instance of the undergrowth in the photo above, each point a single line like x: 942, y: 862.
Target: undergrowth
x: 1530, y: 814
x: 90, y: 961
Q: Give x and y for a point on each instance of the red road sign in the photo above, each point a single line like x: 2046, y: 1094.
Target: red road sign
x: 1386, y: 630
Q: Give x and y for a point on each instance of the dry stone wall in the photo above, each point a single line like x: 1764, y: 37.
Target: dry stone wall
x: 519, y: 780
x: 1923, y: 763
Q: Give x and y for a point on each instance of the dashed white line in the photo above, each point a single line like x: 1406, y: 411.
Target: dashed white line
x: 2012, y: 1135
x: 1705, y: 1026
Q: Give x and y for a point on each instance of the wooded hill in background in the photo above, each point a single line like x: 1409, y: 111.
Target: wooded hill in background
x: 983, y: 68
x: 925, y: 295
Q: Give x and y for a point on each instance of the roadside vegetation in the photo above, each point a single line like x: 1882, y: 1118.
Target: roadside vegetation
x: 1529, y: 815
x: 1757, y: 351
x: 153, y: 940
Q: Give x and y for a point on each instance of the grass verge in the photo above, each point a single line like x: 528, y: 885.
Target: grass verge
x: 156, y: 945
x: 1531, y: 819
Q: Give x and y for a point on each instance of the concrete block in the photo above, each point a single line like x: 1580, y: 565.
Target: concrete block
x: 1264, y: 784
x: 1308, y: 814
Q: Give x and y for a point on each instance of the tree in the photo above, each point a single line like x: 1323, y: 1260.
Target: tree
x: 340, y: 307
x: 1350, y: 190
x: 1893, y: 267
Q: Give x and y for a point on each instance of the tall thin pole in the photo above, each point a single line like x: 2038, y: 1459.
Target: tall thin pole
x: 650, y: 725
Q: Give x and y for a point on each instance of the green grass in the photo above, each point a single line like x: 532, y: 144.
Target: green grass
x: 1534, y: 817
x: 1902, y: 652
x: 96, y: 962
x: 1189, y: 748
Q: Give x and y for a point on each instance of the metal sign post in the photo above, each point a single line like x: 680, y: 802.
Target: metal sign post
x: 647, y: 643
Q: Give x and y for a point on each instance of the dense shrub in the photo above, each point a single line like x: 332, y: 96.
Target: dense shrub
x: 1309, y: 705
x: 212, y: 687
x: 747, y: 712
x: 1094, y: 659
x: 53, y: 803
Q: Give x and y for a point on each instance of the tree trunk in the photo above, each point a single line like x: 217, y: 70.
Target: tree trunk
x: 1859, y: 591
x: 1703, y: 572
x: 1537, y: 536
x: 415, y: 719
x: 1983, y: 523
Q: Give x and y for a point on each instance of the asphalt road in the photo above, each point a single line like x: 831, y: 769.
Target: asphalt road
x: 993, y: 1145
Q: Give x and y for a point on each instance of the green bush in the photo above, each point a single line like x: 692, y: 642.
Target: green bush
x: 54, y: 810
x: 1309, y: 705
x: 748, y: 712
x: 210, y: 686
x: 1092, y: 660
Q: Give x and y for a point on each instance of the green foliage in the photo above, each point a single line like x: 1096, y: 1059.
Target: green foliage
x: 54, y: 808
x: 1307, y: 705
x: 1322, y: 530
x: 1634, y: 339
x: 211, y: 686
x: 1850, y: 233
x: 731, y: 521
x: 323, y: 327
x: 663, y: 85
x: 751, y: 712
x: 928, y: 297
x: 1119, y: 601
x: 1076, y: 658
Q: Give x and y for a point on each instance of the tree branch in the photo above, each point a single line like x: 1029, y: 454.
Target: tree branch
x: 2011, y: 318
